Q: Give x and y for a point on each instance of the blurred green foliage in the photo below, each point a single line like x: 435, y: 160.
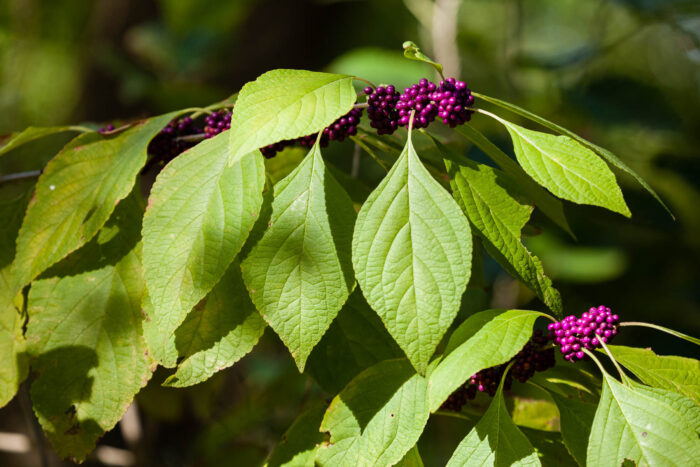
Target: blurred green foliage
x: 622, y: 73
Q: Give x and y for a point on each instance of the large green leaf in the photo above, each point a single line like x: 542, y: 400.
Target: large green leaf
x: 199, y: 215
x: 498, y: 211
x: 377, y: 418
x: 678, y: 374
x: 77, y: 193
x: 13, y: 364
x: 495, y: 440
x: 356, y: 340
x: 301, y: 441
x: 566, y: 168
x: 609, y: 156
x: 14, y: 198
x: 33, y: 133
x: 576, y: 419
x: 648, y: 427
x: 412, y: 256
x: 84, y: 335
x: 300, y: 273
x: 218, y: 332
x: 286, y: 104
x: 486, y: 339
x: 545, y: 202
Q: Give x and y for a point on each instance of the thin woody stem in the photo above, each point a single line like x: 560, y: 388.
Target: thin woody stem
x: 19, y: 176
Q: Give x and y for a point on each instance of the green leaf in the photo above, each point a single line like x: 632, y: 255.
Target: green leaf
x: 570, y: 381
x: 566, y: 168
x: 412, y: 256
x: 14, y: 363
x: 609, y: 156
x: 497, y: 210
x: 545, y: 202
x: 576, y: 419
x: 301, y: 441
x: 84, y: 335
x: 531, y: 407
x: 495, y: 440
x: 679, y: 402
x: 678, y: 374
x: 377, y: 418
x: 486, y: 339
x: 642, y: 425
x: 33, y: 133
x: 200, y: 214
x: 549, y: 447
x: 77, y: 193
x: 282, y: 165
x: 356, y: 189
x: 413, y: 52
x: 355, y: 341
x: 300, y: 273
x: 218, y: 332
x: 411, y: 459
x: 287, y: 104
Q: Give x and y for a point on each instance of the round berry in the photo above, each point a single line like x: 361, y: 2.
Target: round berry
x: 453, y: 100
x: 381, y: 109
x: 596, y: 325
x: 216, y: 123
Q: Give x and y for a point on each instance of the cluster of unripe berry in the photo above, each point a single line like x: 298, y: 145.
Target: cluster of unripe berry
x: 536, y: 355
x: 574, y: 334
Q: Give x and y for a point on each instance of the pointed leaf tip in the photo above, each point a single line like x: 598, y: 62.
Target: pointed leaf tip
x: 412, y: 256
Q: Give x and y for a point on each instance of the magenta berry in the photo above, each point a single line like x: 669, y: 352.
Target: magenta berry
x: 340, y: 129
x: 166, y: 145
x: 574, y: 334
x: 418, y: 98
x: 216, y: 123
x: 453, y: 100
x: 381, y: 108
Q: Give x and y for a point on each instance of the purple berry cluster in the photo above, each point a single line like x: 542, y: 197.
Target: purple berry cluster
x: 106, y: 129
x: 388, y: 110
x: 536, y: 355
x: 453, y: 99
x: 166, y: 145
x: 575, y: 334
x: 418, y: 97
x: 216, y: 122
x: 381, y: 109
x: 271, y: 150
x: 340, y: 129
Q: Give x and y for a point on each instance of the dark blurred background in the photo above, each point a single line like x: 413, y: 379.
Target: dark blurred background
x: 622, y: 73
